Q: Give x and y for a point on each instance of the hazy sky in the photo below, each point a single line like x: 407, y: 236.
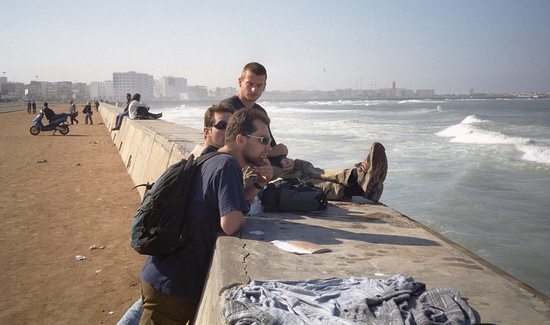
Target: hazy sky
x: 449, y: 46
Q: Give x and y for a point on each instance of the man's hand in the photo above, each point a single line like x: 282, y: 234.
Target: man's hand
x: 265, y: 172
x: 287, y: 164
x: 278, y: 150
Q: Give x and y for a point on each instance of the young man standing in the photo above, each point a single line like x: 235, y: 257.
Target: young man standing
x: 73, y: 112
x: 216, y: 118
x: 172, y: 284
x: 252, y: 83
x: 365, y: 179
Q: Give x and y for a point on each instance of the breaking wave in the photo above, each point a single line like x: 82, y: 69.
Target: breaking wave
x: 471, y: 130
x: 421, y: 101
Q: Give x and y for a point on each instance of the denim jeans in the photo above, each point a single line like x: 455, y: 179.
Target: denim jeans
x: 119, y: 117
x: 133, y: 314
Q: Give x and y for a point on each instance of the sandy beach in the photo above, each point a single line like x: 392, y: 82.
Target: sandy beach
x: 62, y: 195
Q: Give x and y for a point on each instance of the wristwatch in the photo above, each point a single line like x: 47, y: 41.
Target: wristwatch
x: 257, y: 185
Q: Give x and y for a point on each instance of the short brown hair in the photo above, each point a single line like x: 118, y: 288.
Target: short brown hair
x: 216, y: 108
x: 242, y: 122
x: 255, y: 68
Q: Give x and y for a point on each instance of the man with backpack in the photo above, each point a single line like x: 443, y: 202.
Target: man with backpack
x: 216, y: 118
x: 172, y: 284
x: 365, y: 179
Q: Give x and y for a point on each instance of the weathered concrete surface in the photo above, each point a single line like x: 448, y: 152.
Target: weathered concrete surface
x: 148, y: 147
x: 366, y: 240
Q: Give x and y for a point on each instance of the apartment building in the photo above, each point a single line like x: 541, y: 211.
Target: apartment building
x: 133, y: 82
x: 172, y: 87
x: 101, y: 90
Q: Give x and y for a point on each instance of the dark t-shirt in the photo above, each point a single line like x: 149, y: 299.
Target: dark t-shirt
x: 50, y: 114
x: 238, y: 104
x: 87, y: 109
x: 216, y: 191
x: 209, y: 148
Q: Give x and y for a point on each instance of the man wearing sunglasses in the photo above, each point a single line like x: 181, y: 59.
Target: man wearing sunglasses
x: 365, y: 179
x: 172, y: 284
x: 215, y: 123
x: 216, y: 119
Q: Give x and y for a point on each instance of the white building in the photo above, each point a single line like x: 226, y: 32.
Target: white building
x: 80, y: 91
x: 3, y: 80
x: 12, y: 90
x: 132, y: 82
x: 37, y: 90
x: 172, y: 87
x: 425, y: 93
x: 63, y: 90
x: 101, y: 90
x: 195, y: 93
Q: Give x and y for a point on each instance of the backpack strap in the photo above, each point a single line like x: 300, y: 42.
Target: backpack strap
x: 147, y: 185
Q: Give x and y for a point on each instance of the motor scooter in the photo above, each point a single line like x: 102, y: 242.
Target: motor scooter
x: 58, y: 123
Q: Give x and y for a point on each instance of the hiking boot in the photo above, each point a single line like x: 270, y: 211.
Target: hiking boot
x: 372, y: 171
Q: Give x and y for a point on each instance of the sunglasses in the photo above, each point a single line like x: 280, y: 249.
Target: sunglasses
x: 264, y: 140
x: 221, y: 125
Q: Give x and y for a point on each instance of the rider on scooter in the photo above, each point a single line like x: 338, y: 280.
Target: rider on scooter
x: 50, y: 114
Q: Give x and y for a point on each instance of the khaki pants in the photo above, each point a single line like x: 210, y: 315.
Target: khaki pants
x: 335, y: 183
x: 162, y: 309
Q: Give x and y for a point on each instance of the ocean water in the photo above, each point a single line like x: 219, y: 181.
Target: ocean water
x: 477, y: 171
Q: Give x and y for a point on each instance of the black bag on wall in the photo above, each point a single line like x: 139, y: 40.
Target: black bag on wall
x: 292, y: 194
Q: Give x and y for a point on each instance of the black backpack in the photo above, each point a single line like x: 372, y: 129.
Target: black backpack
x: 292, y: 194
x: 159, y: 226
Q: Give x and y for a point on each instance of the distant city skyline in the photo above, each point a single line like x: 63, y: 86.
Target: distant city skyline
x: 452, y: 47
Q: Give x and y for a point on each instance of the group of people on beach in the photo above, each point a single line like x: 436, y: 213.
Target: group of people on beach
x: 31, y: 107
x: 50, y: 114
x: 171, y: 285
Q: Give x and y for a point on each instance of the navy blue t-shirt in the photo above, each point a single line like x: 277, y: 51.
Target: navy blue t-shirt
x: 238, y: 104
x: 216, y: 191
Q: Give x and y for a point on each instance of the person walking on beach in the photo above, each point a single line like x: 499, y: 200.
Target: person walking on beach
x: 172, y: 284
x: 88, y: 112
x: 29, y: 105
x: 33, y: 107
x: 365, y: 179
x: 73, y: 112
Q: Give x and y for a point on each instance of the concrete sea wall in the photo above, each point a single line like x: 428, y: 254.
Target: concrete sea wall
x: 364, y: 240
x: 148, y: 147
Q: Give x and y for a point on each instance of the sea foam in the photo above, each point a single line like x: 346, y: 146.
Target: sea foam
x: 536, y: 153
x: 471, y: 130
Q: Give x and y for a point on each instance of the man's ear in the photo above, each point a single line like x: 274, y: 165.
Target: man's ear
x: 239, y: 139
x: 206, y: 130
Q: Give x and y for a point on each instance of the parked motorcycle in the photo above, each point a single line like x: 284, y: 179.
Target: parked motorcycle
x: 58, y: 123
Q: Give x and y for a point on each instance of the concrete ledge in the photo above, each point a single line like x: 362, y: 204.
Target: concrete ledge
x: 366, y: 241
x: 148, y: 147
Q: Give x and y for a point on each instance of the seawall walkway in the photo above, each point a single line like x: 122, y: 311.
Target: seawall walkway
x: 365, y: 240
